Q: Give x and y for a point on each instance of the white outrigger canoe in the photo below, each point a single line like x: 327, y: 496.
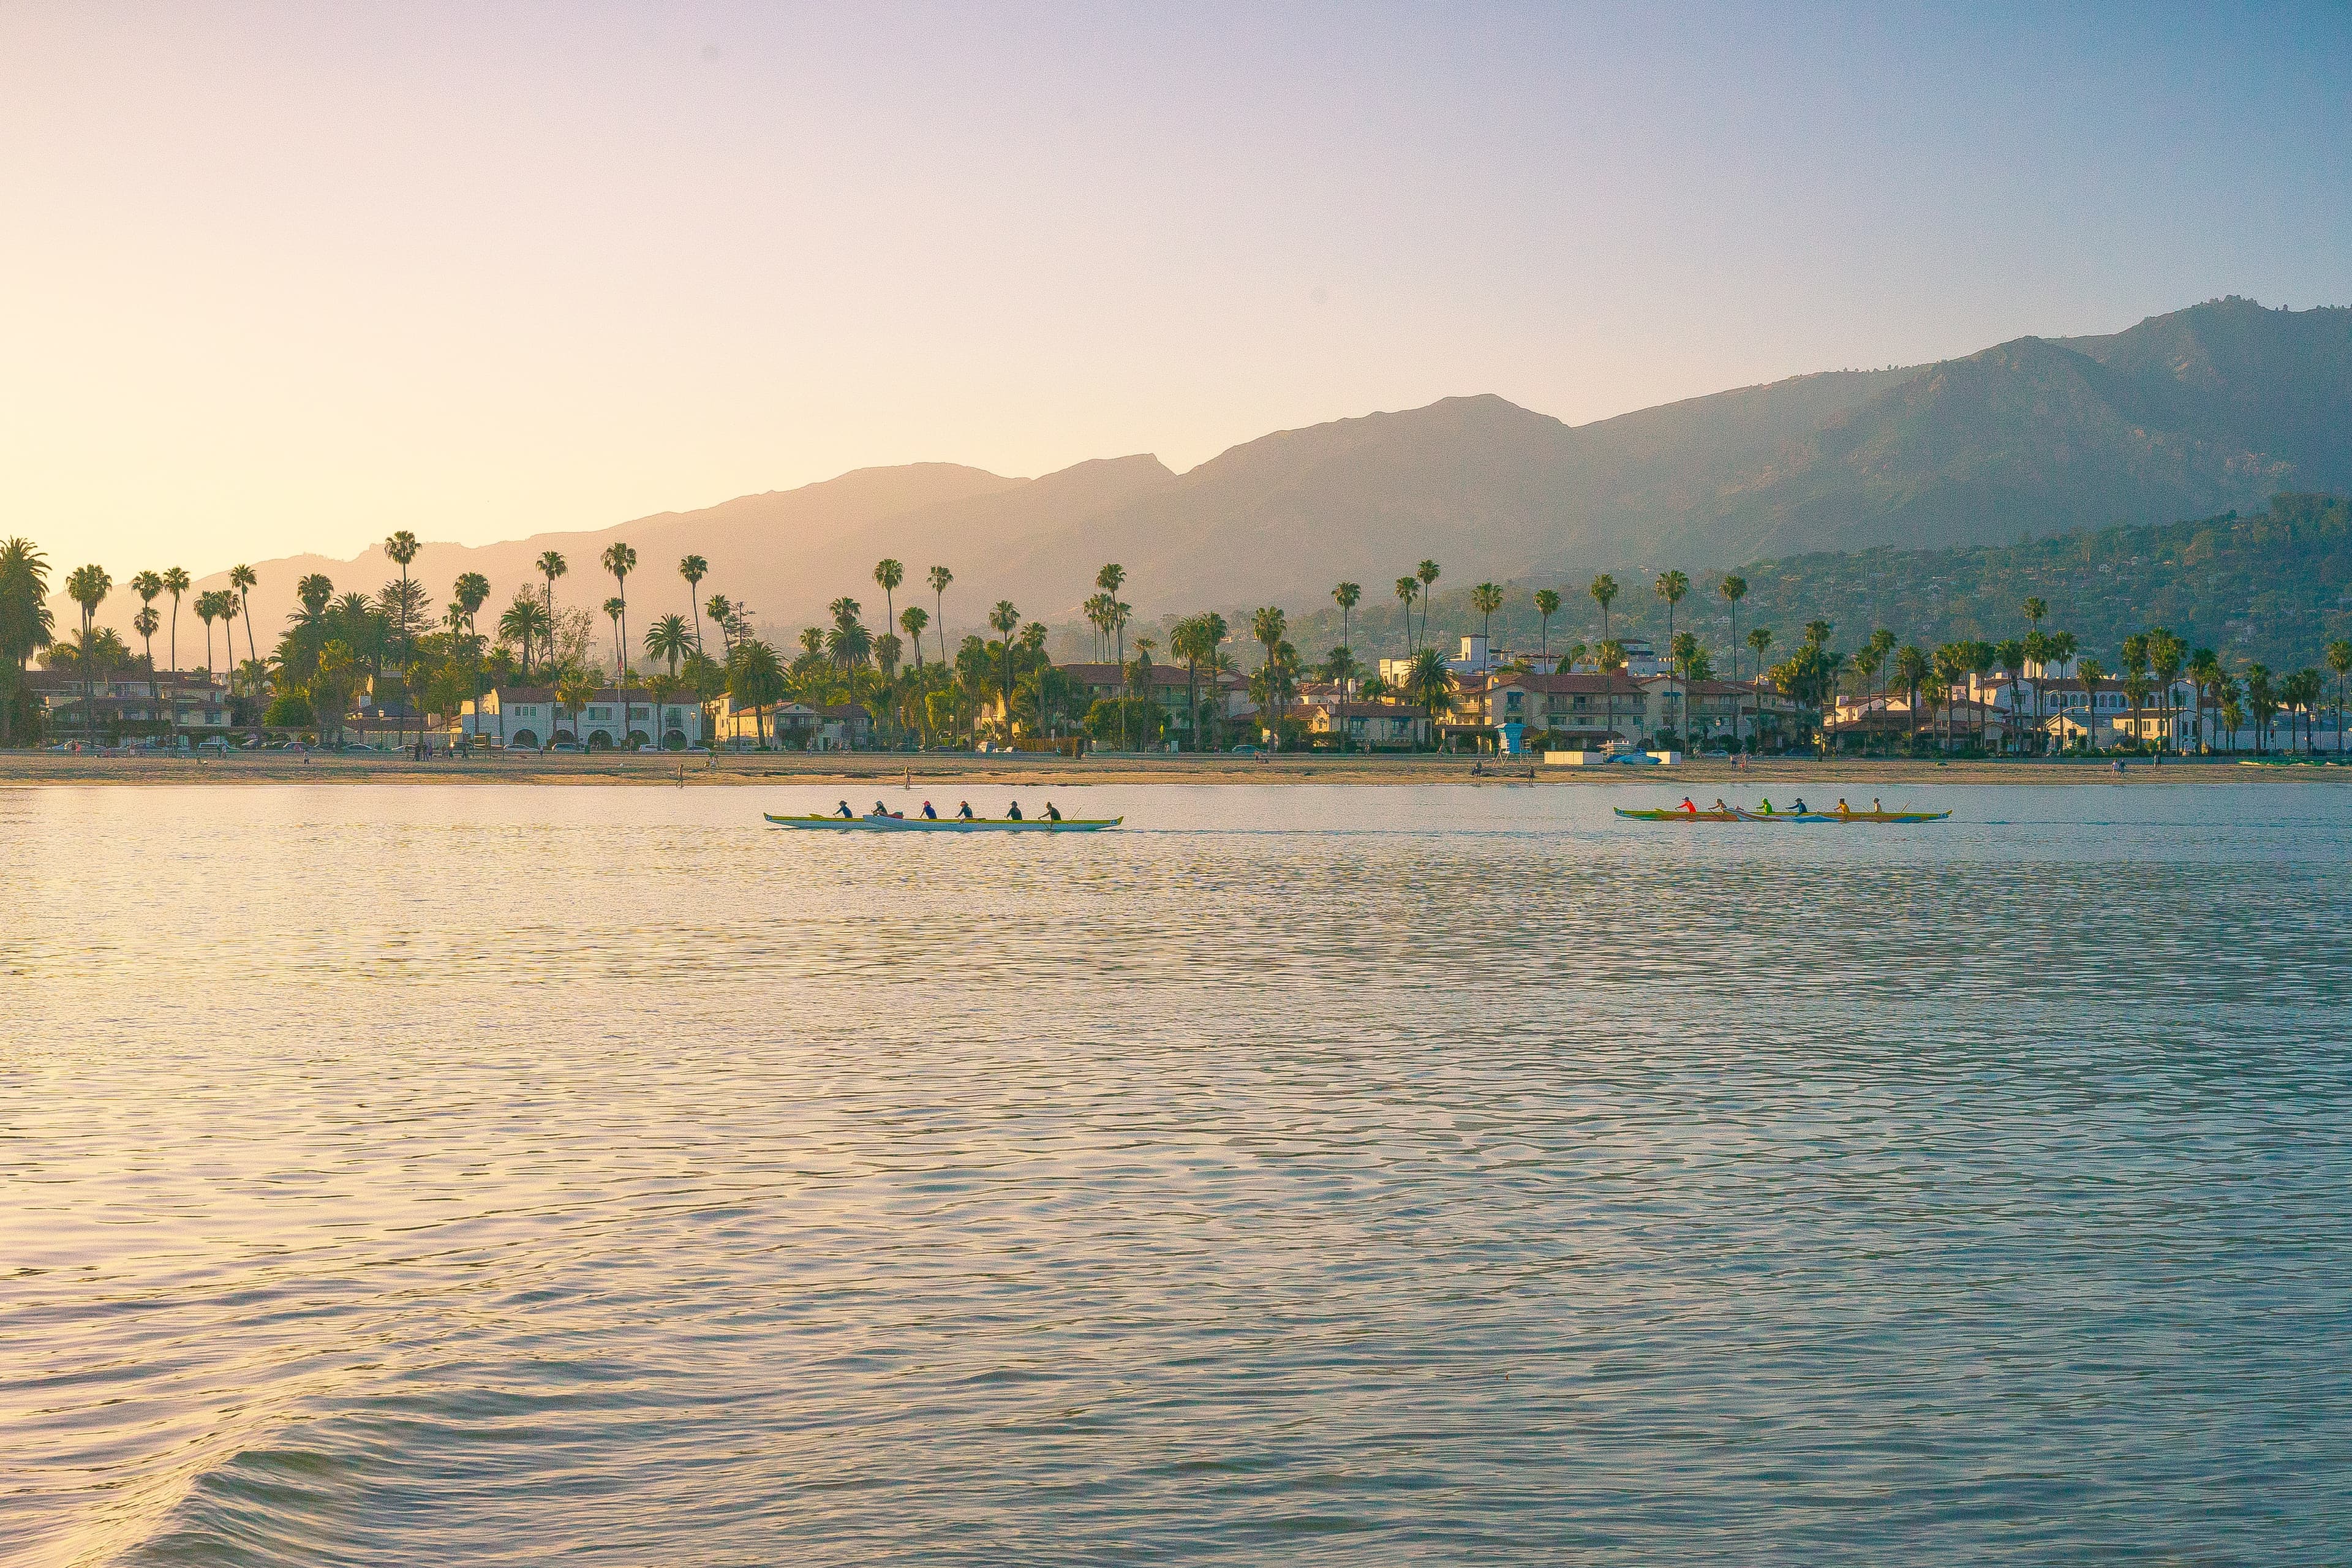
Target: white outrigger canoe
x: 944, y: 824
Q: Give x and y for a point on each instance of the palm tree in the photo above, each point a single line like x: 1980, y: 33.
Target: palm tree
x: 669, y: 639
x: 1407, y: 590
x: 1603, y: 591
x: 400, y: 549
x: 148, y: 586
x: 1610, y: 660
x: 620, y: 561
x: 576, y: 689
x: 2060, y: 648
x: 2339, y: 659
x: 2166, y: 655
x: 1547, y: 607
x: 1487, y: 598
x: 1912, y: 667
x: 87, y: 587
x: 887, y: 575
x: 2303, y: 689
x: 1427, y: 575
x: 2204, y: 674
x: 244, y: 581
x: 27, y: 623
x: 1004, y: 620
x: 1671, y: 586
x: 2262, y: 701
x: 913, y: 620
x: 722, y: 611
x: 145, y: 623
x: 1758, y: 640
x: 940, y: 578
x: 1734, y: 589
x: 612, y: 608
x: 1346, y: 596
x: 2088, y: 672
x: 175, y: 583
x: 1267, y: 626
x: 520, y: 624
x: 551, y: 565
x: 1426, y: 683
x: 693, y: 569
x: 1196, y: 642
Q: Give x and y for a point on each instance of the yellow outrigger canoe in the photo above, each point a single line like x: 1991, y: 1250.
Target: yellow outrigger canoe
x: 1735, y: 815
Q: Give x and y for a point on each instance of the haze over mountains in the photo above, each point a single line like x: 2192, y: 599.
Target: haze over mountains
x: 2186, y: 415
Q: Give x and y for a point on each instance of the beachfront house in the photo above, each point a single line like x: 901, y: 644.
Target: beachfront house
x: 126, y: 706
x: 1364, y: 726
x: 1223, y: 694
x: 529, y: 717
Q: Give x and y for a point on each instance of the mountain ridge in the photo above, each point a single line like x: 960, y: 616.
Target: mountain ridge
x: 2188, y: 414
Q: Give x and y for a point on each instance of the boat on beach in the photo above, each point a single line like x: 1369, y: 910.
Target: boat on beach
x: 944, y: 824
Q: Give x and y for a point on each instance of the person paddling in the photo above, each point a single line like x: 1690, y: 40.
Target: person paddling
x: 843, y: 810
x: 1688, y: 809
x: 1844, y: 809
x: 928, y: 815
x: 963, y: 811
x: 1012, y: 812
x: 880, y: 810
x: 1053, y: 812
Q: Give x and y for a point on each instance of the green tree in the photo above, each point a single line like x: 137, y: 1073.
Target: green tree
x: 1003, y: 620
x: 1487, y: 598
x: 87, y: 587
x: 1734, y: 588
x: 576, y: 688
x: 887, y: 575
x: 2166, y: 655
x: 1912, y: 667
x: 148, y: 586
x: 1609, y: 659
x: 1547, y: 607
x: 27, y: 625
x: 1604, y: 592
x: 670, y: 639
x: 1426, y: 574
x: 1408, y: 589
x: 2087, y: 671
x: 939, y: 579
x: 1672, y: 586
x: 1430, y: 684
x: 242, y: 581
x: 1346, y: 596
x: 2339, y: 659
x: 1758, y: 640
x: 913, y: 619
x: 620, y: 561
x: 175, y: 583
x: 693, y: 569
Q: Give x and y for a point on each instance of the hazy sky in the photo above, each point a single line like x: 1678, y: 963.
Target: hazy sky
x: 283, y: 277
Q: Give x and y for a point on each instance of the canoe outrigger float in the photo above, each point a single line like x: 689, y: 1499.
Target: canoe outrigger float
x: 1735, y: 815
x: 945, y: 824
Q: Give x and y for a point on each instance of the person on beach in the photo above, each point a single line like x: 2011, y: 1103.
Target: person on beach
x: 842, y: 811
x: 963, y: 811
x: 928, y: 815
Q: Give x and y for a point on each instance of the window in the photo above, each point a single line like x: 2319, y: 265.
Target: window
x: 600, y: 712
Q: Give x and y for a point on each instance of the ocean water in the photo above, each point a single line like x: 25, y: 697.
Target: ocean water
x: 514, y: 1175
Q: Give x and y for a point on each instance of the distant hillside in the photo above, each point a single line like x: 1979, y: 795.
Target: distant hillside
x: 2204, y: 410
x: 2274, y: 585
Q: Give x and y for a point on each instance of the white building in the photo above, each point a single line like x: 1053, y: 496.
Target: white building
x: 529, y: 717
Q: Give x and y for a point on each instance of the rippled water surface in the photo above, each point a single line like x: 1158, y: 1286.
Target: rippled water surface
x: 504, y: 1175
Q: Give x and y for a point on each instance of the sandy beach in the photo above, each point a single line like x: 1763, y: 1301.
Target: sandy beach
x: 945, y: 769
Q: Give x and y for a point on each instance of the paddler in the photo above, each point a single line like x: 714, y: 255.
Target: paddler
x: 1844, y: 809
x: 843, y: 810
x: 1053, y: 812
x: 963, y: 811
x: 928, y: 815
x: 1012, y: 812
x: 1688, y: 809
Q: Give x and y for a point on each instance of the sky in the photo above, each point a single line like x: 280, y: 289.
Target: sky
x: 277, y: 277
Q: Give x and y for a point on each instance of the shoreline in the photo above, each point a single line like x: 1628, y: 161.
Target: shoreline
x: 23, y: 770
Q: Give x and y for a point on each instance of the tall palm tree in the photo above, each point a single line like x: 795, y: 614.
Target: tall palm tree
x: 887, y: 575
x: 207, y: 606
x: 1267, y: 625
x: 1346, y: 596
x: 722, y: 611
x: 175, y: 583
x: 87, y: 587
x: 1734, y: 588
x: 1427, y: 575
x: 1758, y: 640
x: 1111, y: 580
x: 2339, y: 659
x: 620, y: 561
x: 1547, y: 607
x: 148, y: 586
x: 520, y: 624
x: 1004, y: 620
x: 1487, y: 598
x: 612, y: 608
x: 1407, y: 590
x: 693, y: 569
x: 1426, y: 683
x: 1604, y: 591
x: 244, y: 580
x: 401, y: 549
x: 551, y: 565
x: 1610, y: 660
x: 2088, y: 672
x: 939, y: 579
x: 913, y: 620
x: 2063, y: 648
x: 1671, y: 586
x: 145, y: 623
